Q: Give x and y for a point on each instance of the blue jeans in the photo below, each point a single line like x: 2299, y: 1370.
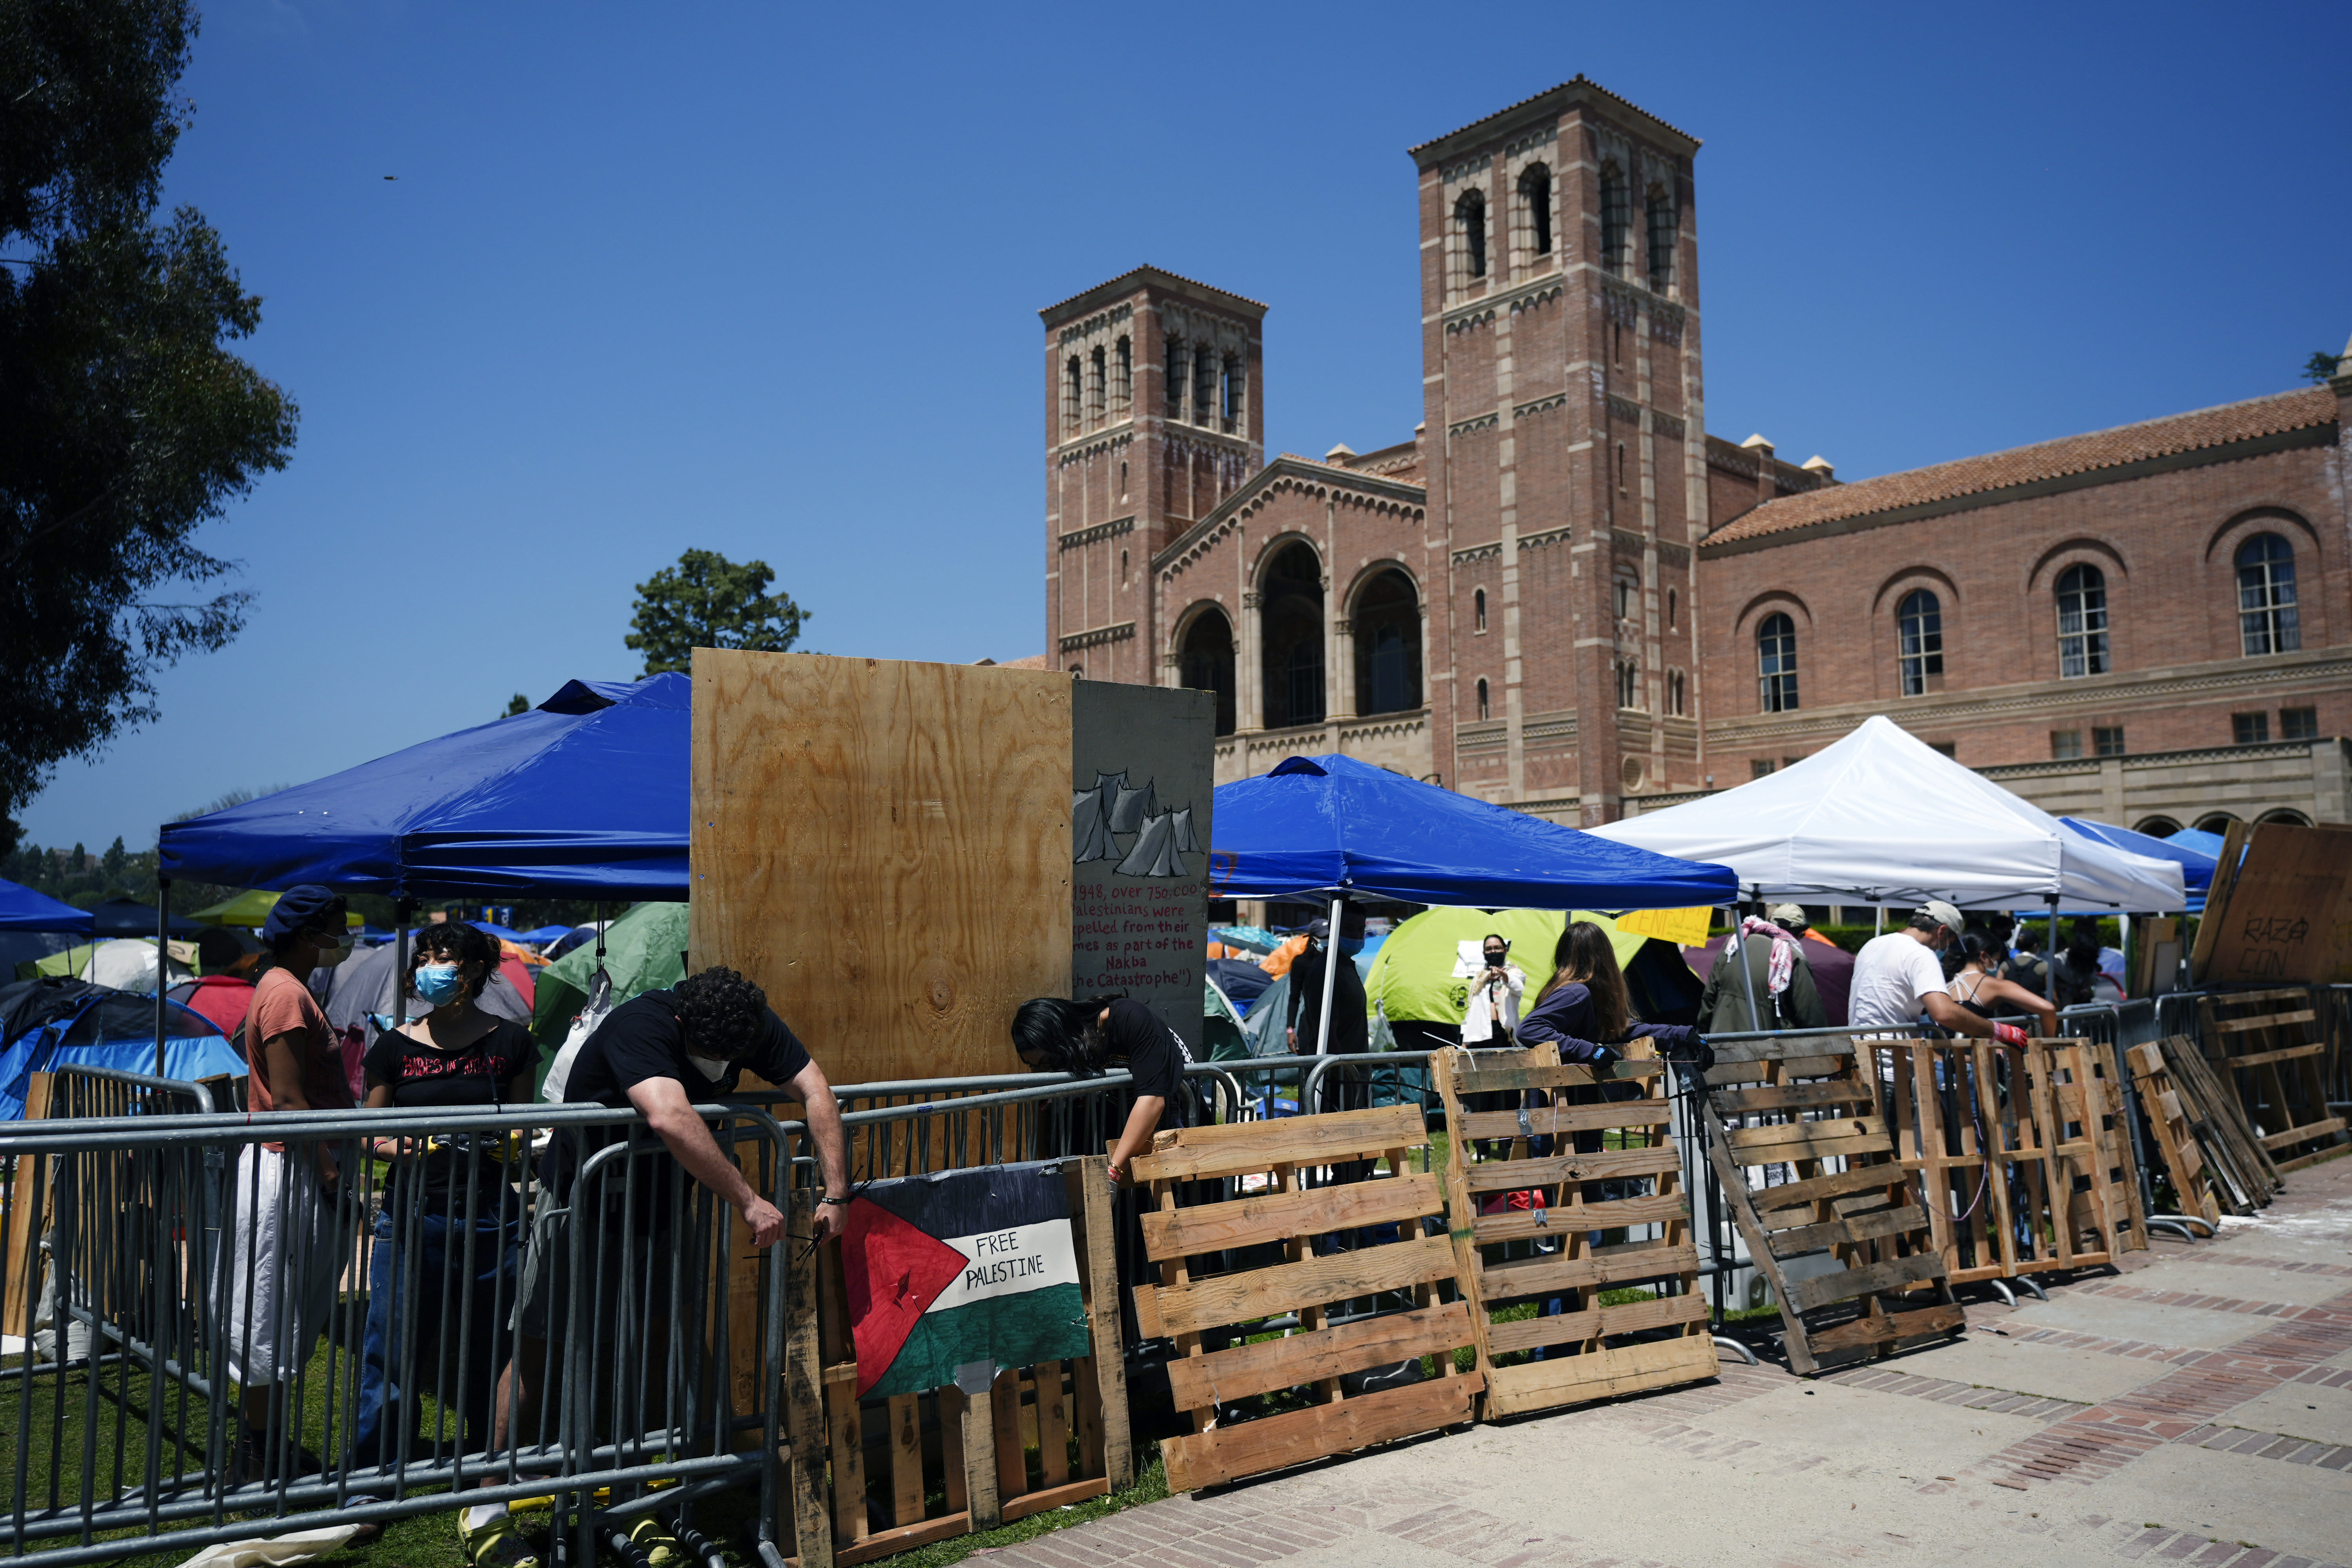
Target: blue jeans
x: 452, y: 1313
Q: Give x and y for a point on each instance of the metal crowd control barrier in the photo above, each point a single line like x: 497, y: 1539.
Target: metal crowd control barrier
x: 572, y: 1358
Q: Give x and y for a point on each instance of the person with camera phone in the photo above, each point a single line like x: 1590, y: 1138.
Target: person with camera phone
x: 1491, y: 1015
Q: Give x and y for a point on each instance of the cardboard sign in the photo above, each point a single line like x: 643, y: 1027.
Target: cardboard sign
x: 1687, y: 928
x: 2285, y: 920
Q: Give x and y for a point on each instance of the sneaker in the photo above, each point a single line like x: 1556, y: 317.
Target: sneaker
x: 496, y: 1544
x: 661, y: 1548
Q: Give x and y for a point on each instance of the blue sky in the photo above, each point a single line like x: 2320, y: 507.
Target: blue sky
x: 763, y: 279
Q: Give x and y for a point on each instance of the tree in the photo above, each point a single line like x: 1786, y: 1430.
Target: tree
x: 517, y: 703
x: 708, y: 601
x: 2320, y: 367
x: 125, y: 423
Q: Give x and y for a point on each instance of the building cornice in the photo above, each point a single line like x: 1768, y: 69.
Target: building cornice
x: 1582, y: 92
x: 1303, y: 473
x: 1099, y: 532
x: 1143, y: 278
x: 1123, y: 631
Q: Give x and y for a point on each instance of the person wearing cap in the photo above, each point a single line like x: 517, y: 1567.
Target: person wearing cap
x: 285, y: 1255
x: 1899, y: 975
x: 1778, y: 990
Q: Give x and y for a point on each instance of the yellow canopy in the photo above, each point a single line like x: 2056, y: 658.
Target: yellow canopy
x: 250, y: 908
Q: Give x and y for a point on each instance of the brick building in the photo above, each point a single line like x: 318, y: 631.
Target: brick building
x: 1563, y: 595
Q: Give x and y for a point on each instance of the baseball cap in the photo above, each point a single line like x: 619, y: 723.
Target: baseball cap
x: 1786, y: 914
x: 1944, y: 915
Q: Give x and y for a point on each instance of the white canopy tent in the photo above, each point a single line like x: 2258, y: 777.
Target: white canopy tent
x: 1883, y: 818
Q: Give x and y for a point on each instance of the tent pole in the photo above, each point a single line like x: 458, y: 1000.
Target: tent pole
x: 162, y: 958
x: 1330, y: 979
x: 2053, y: 946
x: 1737, y: 949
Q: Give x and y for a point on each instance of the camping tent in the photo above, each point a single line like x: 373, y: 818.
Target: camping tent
x: 1881, y: 818
x: 644, y: 950
x: 52, y: 1022
x: 1413, y: 979
x: 585, y: 796
x: 1317, y: 827
x: 21, y: 909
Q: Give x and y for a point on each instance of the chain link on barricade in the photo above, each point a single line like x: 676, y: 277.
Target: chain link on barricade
x: 522, y: 1335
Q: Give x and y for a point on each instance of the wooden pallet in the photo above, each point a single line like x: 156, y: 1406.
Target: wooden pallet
x: 2268, y: 1049
x: 972, y: 1453
x: 1559, y: 1143
x: 1806, y: 1166
x: 2235, y: 1155
x: 1332, y: 1255
x: 2195, y: 1186
x: 2023, y: 1161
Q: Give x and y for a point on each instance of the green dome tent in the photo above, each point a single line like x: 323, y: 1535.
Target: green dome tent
x: 644, y: 950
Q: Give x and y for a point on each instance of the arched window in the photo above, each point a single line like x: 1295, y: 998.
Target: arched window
x: 1205, y: 662
x: 2219, y: 822
x: 1482, y: 697
x: 1627, y: 592
x: 1122, y: 568
x: 1920, y: 633
x: 1122, y: 380
x: 2287, y: 814
x: 2082, y: 622
x: 1175, y: 379
x: 1205, y: 366
x: 1230, y: 393
x: 1478, y: 609
x: 1613, y: 216
x: 1661, y: 214
x: 1621, y: 468
x: 1629, y: 683
x: 1776, y: 663
x: 2156, y: 827
x: 1678, y: 697
x: 1470, y: 222
x: 2267, y: 619
x: 1386, y: 626
x: 1072, y: 395
x: 1100, y: 389
x: 1535, y: 201
x: 1290, y: 638
x: 1674, y: 607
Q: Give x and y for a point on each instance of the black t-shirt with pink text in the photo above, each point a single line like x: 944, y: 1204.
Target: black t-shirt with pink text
x: 495, y: 1069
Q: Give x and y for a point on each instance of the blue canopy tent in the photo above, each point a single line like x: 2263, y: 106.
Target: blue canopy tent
x: 1333, y: 827
x: 2195, y: 854
x: 21, y: 909
x: 585, y: 795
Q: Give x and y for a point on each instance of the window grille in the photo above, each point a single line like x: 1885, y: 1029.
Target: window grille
x: 2249, y: 729
x: 2298, y: 724
x: 2066, y: 745
x: 2267, y: 619
x: 1613, y: 217
x: 1660, y: 214
x: 1919, y: 628
x: 1534, y: 199
x: 2107, y: 741
x: 2082, y: 622
x: 1776, y: 663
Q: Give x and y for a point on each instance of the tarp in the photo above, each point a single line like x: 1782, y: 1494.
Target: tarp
x: 21, y: 909
x: 644, y: 950
x: 1880, y: 817
x: 585, y: 796
x: 2197, y: 854
x: 250, y: 908
x: 68, y: 1023
x: 1320, y: 825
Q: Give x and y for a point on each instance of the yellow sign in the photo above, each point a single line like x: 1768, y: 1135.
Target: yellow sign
x: 1686, y: 927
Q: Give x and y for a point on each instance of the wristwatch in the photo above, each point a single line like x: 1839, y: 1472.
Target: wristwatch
x: 841, y: 1200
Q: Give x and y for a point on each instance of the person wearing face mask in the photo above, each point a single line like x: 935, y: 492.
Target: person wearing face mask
x: 285, y: 1252
x: 1492, y: 1012
x: 442, y: 1274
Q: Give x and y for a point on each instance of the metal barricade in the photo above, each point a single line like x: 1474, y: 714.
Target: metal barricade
x: 82, y: 1092
x: 358, y: 1317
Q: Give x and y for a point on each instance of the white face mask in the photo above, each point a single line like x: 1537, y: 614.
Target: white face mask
x: 712, y: 1070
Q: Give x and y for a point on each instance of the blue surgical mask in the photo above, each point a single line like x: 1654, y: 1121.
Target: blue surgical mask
x: 1350, y: 945
x: 438, y: 983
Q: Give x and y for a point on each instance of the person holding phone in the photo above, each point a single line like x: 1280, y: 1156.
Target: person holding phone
x: 1491, y: 1016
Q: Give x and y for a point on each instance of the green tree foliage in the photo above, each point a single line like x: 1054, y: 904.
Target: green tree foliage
x: 708, y: 601
x: 2320, y: 367
x: 125, y: 423
x: 516, y: 704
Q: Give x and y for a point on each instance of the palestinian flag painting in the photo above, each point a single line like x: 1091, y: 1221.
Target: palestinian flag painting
x: 962, y: 1267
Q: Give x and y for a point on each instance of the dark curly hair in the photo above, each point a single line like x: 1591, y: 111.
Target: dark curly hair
x: 721, y: 1013
x: 455, y: 942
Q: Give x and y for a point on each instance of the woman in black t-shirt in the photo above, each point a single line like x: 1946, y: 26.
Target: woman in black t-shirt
x: 1054, y: 1035
x: 448, y: 1242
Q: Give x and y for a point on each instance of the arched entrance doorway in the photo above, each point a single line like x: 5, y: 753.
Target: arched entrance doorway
x: 1291, y: 634
x: 1204, y: 661
x: 1386, y: 626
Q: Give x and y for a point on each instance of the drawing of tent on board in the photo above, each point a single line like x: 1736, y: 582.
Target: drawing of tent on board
x: 1132, y: 808
x: 1155, y: 853
x: 1181, y: 824
x: 1090, y: 837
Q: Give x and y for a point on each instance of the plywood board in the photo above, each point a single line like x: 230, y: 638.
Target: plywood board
x: 2284, y: 920
x: 884, y: 847
x: 1142, y: 780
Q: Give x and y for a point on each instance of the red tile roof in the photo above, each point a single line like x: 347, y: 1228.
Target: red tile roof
x: 2205, y: 427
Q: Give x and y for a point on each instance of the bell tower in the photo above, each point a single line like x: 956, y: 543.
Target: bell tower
x: 1154, y: 412
x: 1565, y: 448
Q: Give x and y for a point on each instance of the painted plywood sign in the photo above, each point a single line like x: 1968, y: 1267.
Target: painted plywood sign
x: 1143, y: 774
